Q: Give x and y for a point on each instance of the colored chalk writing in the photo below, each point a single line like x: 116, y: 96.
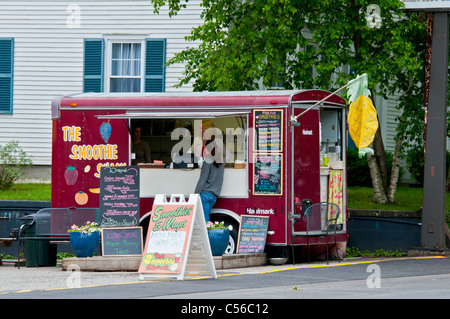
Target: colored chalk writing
x: 122, y: 241
x: 252, y: 234
x: 268, y: 130
x: 119, y: 196
x: 267, y: 174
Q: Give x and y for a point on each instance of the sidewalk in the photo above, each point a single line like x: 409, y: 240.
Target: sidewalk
x: 24, y: 279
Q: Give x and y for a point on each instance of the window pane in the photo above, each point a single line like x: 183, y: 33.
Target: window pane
x: 116, y: 50
x: 115, y: 68
x: 126, y: 67
x: 135, y: 85
x: 136, y: 68
x: 126, y: 50
x: 125, y: 85
x: 137, y: 51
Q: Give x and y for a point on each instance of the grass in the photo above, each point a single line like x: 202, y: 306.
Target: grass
x: 32, y: 191
x: 406, y: 198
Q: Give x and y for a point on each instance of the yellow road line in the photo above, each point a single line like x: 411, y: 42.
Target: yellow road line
x: 352, y: 263
x: 235, y: 274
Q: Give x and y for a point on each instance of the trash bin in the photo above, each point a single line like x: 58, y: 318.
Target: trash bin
x: 38, y: 252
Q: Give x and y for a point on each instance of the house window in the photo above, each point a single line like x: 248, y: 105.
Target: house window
x: 126, y: 67
x: 130, y: 65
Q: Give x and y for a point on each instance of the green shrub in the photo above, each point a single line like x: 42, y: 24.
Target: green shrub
x: 415, y: 161
x: 13, y: 160
x: 358, y: 172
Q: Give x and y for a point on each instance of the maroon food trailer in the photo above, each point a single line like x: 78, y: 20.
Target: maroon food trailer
x: 274, y: 163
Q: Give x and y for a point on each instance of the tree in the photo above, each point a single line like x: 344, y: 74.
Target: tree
x: 312, y: 44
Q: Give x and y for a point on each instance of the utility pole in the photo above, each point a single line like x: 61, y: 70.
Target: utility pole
x: 434, y: 188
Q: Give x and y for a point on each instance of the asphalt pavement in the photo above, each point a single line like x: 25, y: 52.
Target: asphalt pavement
x: 365, y: 278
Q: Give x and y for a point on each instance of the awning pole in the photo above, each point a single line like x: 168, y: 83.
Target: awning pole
x: 294, y: 118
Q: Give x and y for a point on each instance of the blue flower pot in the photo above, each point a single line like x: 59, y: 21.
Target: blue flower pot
x: 84, y: 245
x: 218, y: 239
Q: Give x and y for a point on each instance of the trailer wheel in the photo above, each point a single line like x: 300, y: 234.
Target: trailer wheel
x: 144, y: 224
x: 232, y: 243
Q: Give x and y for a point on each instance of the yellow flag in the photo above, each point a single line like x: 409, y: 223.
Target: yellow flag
x: 362, y: 121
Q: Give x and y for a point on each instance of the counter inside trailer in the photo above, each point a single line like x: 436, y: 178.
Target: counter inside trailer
x: 183, y: 181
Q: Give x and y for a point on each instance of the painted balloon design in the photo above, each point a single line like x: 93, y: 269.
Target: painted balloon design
x: 105, y: 131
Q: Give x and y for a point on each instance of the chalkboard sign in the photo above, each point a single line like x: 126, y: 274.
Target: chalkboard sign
x: 268, y: 130
x: 122, y: 241
x: 119, y: 196
x: 267, y: 174
x: 252, y: 234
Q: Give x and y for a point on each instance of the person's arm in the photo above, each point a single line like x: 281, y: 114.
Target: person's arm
x: 203, y: 178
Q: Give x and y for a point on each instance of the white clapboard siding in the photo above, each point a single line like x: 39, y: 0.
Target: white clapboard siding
x: 387, y: 115
x: 48, y: 55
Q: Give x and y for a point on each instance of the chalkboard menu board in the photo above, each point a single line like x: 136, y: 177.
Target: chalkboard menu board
x: 119, y: 196
x: 267, y: 174
x: 252, y: 234
x: 122, y: 241
x: 268, y: 130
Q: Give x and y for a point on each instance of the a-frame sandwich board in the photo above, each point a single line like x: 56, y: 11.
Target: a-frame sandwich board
x: 177, y: 242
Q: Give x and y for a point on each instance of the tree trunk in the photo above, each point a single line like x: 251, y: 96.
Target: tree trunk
x: 379, y: 193
x: 395, y: 172
x: 377, y: 167
x: 380, y: 152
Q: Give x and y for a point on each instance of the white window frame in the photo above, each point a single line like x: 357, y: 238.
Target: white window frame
x: 108, y: 57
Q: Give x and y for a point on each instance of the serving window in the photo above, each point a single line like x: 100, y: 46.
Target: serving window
x: 169, y: 135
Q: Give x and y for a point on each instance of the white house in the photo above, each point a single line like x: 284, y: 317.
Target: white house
x: 54, y: 48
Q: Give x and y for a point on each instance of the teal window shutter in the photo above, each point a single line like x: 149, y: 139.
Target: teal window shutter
x: 6, y: 74
x: 155, y: 65
x: 93, y: 65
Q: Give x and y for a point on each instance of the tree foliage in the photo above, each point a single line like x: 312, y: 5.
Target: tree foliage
x: 245, y: 42
x: 311, y: 44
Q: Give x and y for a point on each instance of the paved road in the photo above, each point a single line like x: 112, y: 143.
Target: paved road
x: 410, y: 278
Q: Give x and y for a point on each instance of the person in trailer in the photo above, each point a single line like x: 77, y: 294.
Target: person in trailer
x: 209, y: 184
x: 198, y: 144
x: 140, y: 148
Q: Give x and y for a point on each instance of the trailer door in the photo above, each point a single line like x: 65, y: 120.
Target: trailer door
x: 318, y: 161
x: 305, y: 159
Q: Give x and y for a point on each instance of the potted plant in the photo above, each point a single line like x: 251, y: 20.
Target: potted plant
x: 84, y: 239
x: 219, y: 235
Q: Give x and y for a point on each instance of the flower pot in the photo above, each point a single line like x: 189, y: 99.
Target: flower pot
x: 84, y: 245
x: 218, y: 240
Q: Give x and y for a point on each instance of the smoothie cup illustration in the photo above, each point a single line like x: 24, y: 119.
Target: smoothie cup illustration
x: 177, y: 258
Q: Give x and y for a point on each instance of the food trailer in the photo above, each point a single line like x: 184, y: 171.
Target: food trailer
x: 279, y: 158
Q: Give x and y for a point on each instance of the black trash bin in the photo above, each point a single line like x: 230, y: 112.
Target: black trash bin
x: 38, y: 252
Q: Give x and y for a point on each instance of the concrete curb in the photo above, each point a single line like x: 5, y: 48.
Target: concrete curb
x: 131, y: 263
